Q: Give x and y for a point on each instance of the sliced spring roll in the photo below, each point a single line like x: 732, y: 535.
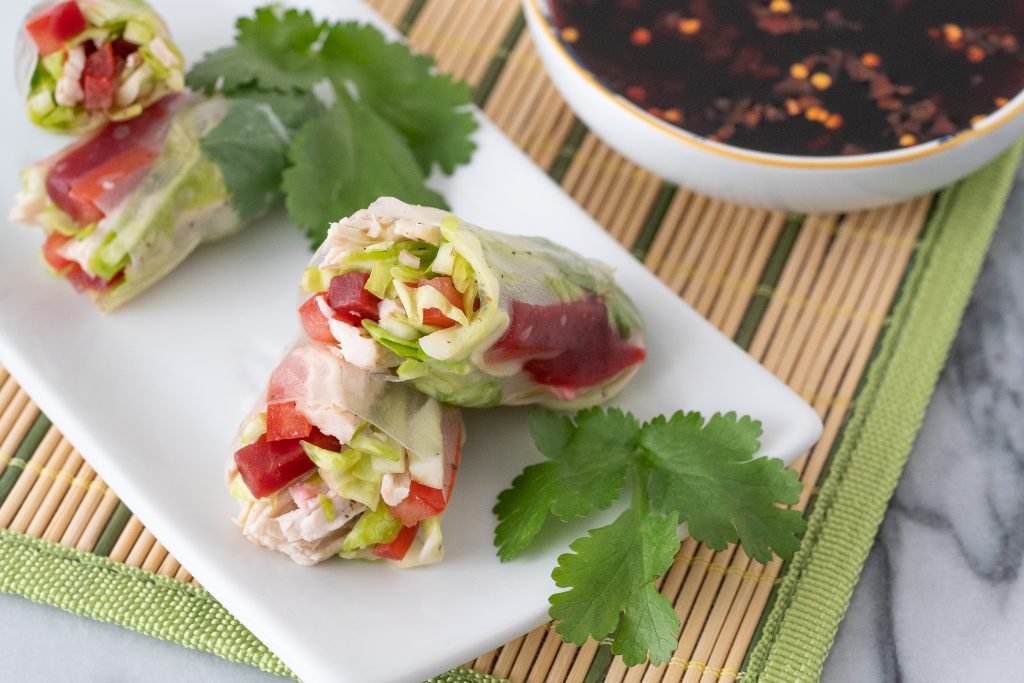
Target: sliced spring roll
x: 124, y: 206
x: 337, y: 461
x: 469, y: 316
x: 84, y: 62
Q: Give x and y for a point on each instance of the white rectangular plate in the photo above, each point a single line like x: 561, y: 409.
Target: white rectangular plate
x: 152, y: 394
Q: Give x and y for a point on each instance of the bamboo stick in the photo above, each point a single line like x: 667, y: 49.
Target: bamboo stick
x: 23, y: 486
x: 70, y: 504
x: 545, y: 659
x: 15, y: 429
x: 57, y: 490
x: 584, y: 660
x: 126, y: 541
x: 527, y: 653
x: 7, y: 391
x: 154, y: 559
x: 631, y: 214
x: 169, y: 566
x: 140, y: 549
x: 106, y: 502
x: 507, y: 657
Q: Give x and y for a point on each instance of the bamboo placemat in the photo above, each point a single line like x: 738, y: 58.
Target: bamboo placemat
x: 808, y: 296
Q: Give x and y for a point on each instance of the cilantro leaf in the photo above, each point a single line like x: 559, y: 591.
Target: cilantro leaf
x: 344, y: 159
x: 587, y: 470
x: 250, y: 145
x: 610, y: 576
x: 274, y: 50
x: 708, y: 475
x: 392, y: 122
x: 428, y: 108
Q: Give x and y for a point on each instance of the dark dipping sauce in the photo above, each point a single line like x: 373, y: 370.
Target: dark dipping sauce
x: 801, y: 76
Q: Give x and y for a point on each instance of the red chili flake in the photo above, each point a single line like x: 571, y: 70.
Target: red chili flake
x: 636, y: 93
x: 871, y: 60
x: 570, y: 34
x: 953, y: 34
x: 975, y: 54
x: 834, y: 121
x: 688, y: 27
x: 821, y: 80
x: 640, y: 36
x: 674, y: 115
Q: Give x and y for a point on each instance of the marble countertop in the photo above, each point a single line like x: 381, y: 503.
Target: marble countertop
x: 940, y: 598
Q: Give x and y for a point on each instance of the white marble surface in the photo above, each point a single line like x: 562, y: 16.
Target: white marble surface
x: 939, y: 600
x: 942, y: 596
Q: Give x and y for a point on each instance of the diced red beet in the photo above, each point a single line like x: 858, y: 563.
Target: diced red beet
x: 101, y: 62
x: 326, y: 441
x: 50, y: 29
x: 314, y: 322
x: 269, y: 466
x: 580, y: 368
x: 396, y: 549
x: 98, y: 78
x: 350, y: 301
x: 537, y: 330
x: 422, y: 502
x: 147, y: 130
x: 123, y: 48
x: 113, y: 179
x: 565, y: 346
x: 284, y: 421
x: 97, y: 93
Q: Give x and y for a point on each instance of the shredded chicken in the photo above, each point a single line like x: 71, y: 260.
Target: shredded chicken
x: 293, y: 522
x: 69, y: 88
x: 360, y: 349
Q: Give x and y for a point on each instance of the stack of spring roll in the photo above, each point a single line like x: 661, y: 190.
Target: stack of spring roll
x: 126, y: 203
x: 409, y: 311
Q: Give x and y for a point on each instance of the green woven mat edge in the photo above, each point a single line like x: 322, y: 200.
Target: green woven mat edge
x: 158, y: 606
x: 815, y: 593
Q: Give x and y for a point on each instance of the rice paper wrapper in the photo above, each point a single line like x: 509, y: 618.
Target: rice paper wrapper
x: 336, y: 397
x: 158, y: 71
x: 150, y: 225
x: 568, y: 302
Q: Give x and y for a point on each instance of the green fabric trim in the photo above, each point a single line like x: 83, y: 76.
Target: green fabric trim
x: 813, y: 597
x: 99, y: 588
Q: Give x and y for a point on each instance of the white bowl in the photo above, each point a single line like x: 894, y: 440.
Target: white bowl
x: 776, y: 181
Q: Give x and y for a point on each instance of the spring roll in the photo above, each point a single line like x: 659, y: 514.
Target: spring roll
x: 469, y: 316
x: 82, y: 63
x: 337, y: 461
x: 124, y: 206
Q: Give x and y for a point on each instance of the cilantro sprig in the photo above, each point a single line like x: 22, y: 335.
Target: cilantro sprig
x: 375, y: 117
x: 683, y: 469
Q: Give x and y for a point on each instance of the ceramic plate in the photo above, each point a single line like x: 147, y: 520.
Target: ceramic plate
x: 153, y: 393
